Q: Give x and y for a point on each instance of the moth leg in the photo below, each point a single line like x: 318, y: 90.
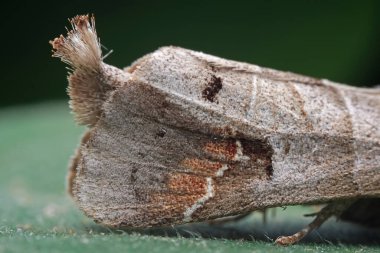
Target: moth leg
x: 237, y: 218
x: 224, y: 220
x: 332, y: 209
x: 265, y: 213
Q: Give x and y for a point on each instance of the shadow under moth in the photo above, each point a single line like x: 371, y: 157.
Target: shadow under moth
x: 181, y: 136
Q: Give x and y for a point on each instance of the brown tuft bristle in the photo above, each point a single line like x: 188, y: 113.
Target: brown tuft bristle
x: 57, y: 42
x: 80, y: 20
x: 80, y: 49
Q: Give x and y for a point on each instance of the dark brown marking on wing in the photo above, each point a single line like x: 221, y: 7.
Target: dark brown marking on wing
x: 286, y: 147
x: 133, y: 175
x: 161, y: 133
x: 301, y: 103
x: 212, y: 89
x: 260, y: 154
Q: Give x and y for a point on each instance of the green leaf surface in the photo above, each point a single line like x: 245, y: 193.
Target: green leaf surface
x: 37, y: 215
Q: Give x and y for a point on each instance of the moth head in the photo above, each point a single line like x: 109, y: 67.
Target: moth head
x: 90, y: 82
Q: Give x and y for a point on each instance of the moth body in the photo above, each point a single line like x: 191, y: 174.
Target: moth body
x: 182, y: 136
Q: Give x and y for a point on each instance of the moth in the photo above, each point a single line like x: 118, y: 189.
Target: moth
x: 181, y: 136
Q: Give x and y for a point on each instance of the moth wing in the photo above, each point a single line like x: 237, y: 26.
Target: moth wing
x: 132, y: 170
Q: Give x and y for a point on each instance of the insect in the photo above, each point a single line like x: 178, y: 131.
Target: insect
x: 181, y: 136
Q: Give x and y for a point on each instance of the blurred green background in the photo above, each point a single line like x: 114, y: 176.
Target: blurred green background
x: 337, y: 40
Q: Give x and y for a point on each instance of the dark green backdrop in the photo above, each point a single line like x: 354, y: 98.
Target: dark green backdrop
x: 338, y: 40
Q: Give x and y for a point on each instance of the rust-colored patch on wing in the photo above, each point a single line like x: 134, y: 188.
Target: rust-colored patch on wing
x: 174, y: 201
x: 186, y: 184
x: 182, y: 191
x: 226, y: 148
x: 201, y: 166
